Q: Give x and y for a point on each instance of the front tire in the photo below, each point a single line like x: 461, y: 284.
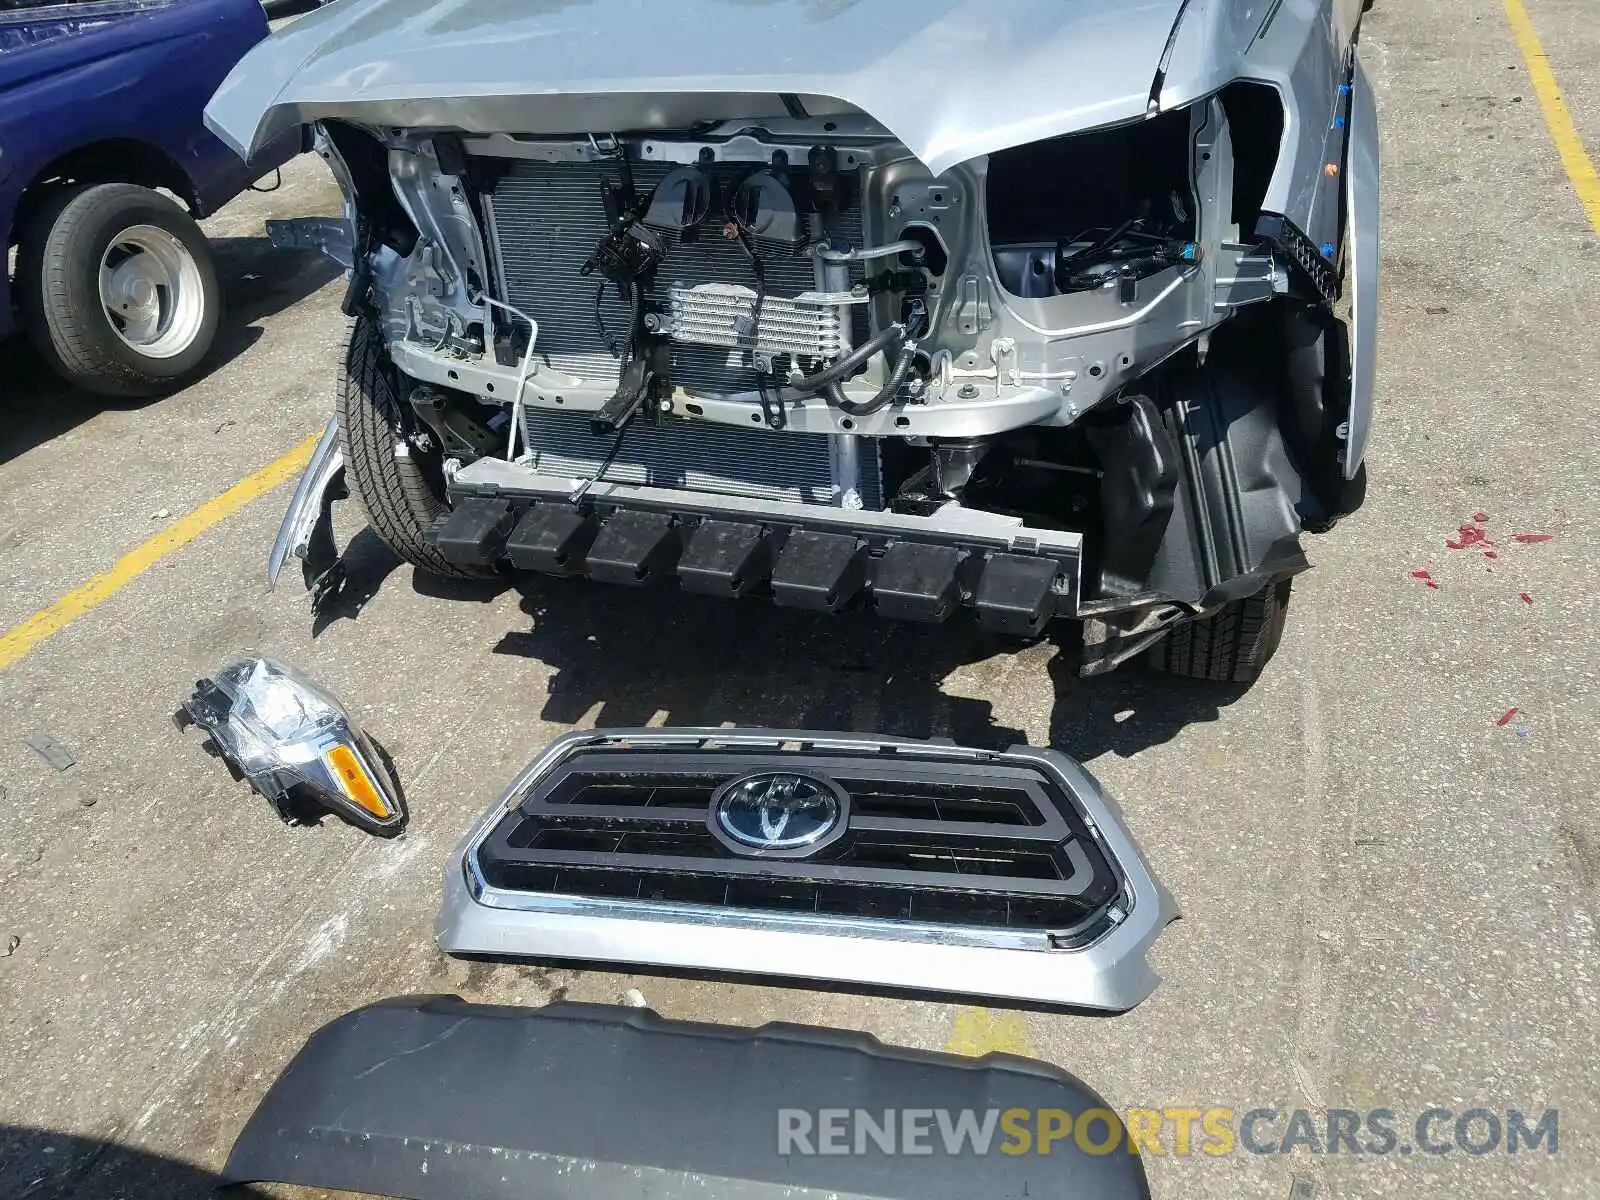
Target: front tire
x: 1233, y: 644
x: 402, y: 492
x: 118, y: 290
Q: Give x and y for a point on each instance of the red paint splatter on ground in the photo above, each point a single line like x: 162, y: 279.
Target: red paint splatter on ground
x: 1426, y: 578
x: 1480, y: 517
x: 1490, y: 554
x: 1468, y: 535
x: 1526, y: 599
x: 1528, y: 539
x: 1505, y: 717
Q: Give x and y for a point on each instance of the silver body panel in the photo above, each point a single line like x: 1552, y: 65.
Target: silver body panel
x: 534, y: 67
x: 1111, y: 974
x: 950, y: 79
x: 326, y: 235
x: 1302, y: 48
x: 1361, y: 180
x: 306, y: 506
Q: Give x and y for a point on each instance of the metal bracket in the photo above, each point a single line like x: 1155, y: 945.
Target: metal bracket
x: 973, y: 312
x: 456, y: 430
x: 328, y: 235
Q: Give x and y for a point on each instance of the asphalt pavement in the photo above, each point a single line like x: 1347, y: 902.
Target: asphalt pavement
x: 1389, y: 892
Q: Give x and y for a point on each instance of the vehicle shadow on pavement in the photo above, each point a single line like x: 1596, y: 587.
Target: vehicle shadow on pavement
x: 40, y: 405
x: 365, y: 565
x: 1128, y: 710
x: 44, y: 1165
x: 696, y: 660
x: 257, y: 281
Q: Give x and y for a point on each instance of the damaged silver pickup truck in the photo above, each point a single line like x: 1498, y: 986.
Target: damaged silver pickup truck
x: 1040, y: 308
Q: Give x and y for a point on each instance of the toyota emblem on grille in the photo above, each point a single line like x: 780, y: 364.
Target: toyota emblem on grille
x: 778, y: 814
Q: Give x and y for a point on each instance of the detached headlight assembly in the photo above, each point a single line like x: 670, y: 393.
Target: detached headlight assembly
x: 295, y: 744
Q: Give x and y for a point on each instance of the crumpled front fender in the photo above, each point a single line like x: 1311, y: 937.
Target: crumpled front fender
x: 307, y: 529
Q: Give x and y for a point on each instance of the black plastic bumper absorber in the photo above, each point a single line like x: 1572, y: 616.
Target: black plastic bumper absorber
x: 634, y: 548
x: 725, y: 558
x: 1016, y: 594
x: 819, y: 570
x: 917, y: 582
x: 551, y: 538
x: 473, y: 534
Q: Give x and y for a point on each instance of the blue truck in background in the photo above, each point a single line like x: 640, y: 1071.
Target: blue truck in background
x: 101, y: 104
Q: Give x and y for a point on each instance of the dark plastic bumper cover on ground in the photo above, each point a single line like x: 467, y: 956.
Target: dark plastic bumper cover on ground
x: 432, y: 1098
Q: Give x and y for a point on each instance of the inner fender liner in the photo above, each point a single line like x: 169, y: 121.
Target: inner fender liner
x: 433, y: 1098
x: 1240, y: 503
x: 1139, y: 475
x: 1314, y: 410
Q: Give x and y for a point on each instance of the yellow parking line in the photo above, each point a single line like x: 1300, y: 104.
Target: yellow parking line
x: 979, y: 1031
x: 19, y: 640
x: 1563, y: 132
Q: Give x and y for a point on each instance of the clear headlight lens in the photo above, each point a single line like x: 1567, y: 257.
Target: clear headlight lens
x: 295, y: 744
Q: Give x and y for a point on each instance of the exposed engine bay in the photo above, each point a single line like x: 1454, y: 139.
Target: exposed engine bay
x: 757, y: 344
x: 815, y: 278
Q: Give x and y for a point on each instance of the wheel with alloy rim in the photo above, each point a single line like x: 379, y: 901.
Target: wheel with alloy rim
x: 118, y: 290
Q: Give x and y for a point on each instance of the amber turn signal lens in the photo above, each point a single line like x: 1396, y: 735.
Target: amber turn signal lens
x: 355, y: 783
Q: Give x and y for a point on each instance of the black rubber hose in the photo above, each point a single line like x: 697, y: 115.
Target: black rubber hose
x: 635, y: 317
x: 811, y: 384
x: 902, y: 367
x: 635, y: 312
x: 758, y: 268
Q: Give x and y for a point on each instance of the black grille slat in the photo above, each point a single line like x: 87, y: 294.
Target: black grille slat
x: 612, y: 816
x: 998, y: 863
x: 800, y: 870
x: 975, y: 804
x: 642, y: 790
x: 692, y: 847
x: 653, y: 798
x: 891, y: 825
x: 926, y: 840
x: 875, y: 795
x: 617, y: 815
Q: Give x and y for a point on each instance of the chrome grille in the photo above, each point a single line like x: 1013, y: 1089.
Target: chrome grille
x: 928, y: 841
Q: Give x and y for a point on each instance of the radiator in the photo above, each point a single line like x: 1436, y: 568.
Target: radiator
x: 696, y: 456
x: 546, y: 219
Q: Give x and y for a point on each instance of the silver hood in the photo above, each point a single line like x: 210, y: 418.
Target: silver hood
x: 951, y: 79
